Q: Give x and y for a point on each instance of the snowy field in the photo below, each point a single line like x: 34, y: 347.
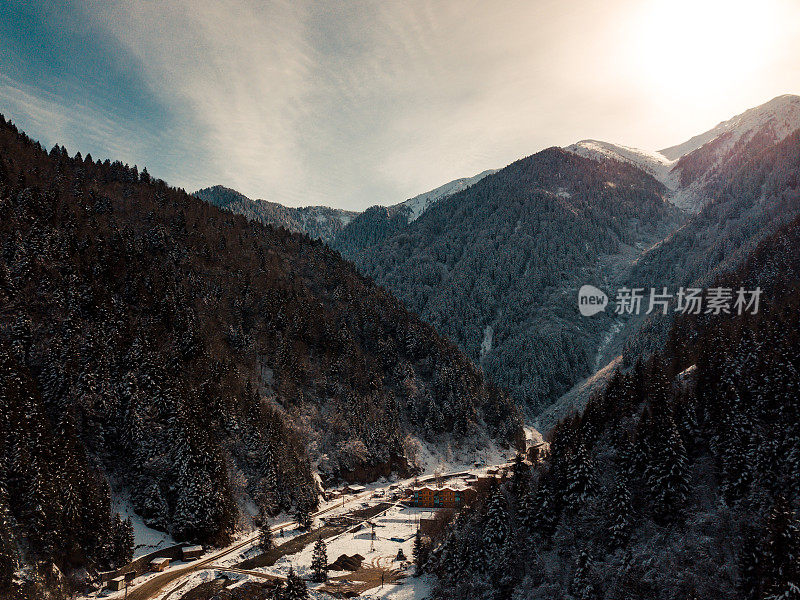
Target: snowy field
x: 394, y: 530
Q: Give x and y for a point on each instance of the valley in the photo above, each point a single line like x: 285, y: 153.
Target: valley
x: 233, y: 399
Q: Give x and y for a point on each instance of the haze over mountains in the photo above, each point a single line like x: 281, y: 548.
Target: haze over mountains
x: 218, y: 365
x: 495, y: 266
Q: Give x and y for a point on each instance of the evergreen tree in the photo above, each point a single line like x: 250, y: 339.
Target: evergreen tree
x: 9, y: 560
x: 620, y: 513
x: 319, y: 561
x: 265, y: 540
x: 781, y: 579
x: 304, y: 519
x: 545, y: 508
x: 750, y: 565
x: 580, y: 478
x: 123, y: 540
x: 667, y: 471
x: 278, y: 591
x: 295, y: 587
x: 581, y: 586
x: 520, y: 472
x: 420, y: 553
x: 496, y: 526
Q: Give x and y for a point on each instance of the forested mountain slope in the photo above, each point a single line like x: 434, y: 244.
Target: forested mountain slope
x: 343, y: 230
x: 195, y: 358
x: 378, y: 223
x: 680, y: 480
x: 751, y: 196
x: 497, y: 266
x: 318, y: 222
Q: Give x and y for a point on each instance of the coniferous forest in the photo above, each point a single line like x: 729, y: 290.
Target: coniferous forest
x: 568, y: 373
x: 678, y: 480
x: 153, y: 343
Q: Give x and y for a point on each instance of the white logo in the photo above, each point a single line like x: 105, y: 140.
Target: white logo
x: 591, y: 300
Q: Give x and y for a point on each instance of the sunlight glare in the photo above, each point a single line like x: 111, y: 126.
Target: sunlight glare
x: 702, y: 48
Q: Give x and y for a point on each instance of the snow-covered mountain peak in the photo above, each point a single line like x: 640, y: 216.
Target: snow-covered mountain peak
x: 419, y: 204
x: 780, y: 116
x: 653, y: 163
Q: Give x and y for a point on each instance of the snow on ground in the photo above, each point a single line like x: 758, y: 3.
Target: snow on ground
x: 146, y: 540
x: 781, y: 115
x: 394, y: 530
x: 450, y: 458
x: 486, y: 344
x: 653, y: 163
x: 577, y: 397
x: 419, y: 204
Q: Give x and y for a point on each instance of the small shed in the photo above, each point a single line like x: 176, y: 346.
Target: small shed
x: 116, y: 584
x: 157, y: 565
x: 191, y: 552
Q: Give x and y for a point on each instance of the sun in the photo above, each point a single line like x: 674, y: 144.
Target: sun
x: 703, y: 48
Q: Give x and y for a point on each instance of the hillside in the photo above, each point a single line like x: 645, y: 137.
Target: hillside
x: 378, y: 223
x: 318, y: 222
x: 678, y: 480
x: 201, y: 361
x: 346, y: 231
x: 496, y: 267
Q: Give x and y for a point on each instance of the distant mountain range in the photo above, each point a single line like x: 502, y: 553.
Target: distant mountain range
x: 333, y: 225
x: 496, y: 265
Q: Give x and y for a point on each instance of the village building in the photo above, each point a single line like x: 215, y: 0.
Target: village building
x: 157, y: 565
x: 455, y: 495
x: 191, y: 552
x: 116, y: 584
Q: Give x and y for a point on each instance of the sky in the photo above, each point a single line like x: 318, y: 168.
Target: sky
x: 351, y: 104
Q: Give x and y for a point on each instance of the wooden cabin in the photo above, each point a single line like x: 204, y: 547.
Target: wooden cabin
x: 116, y: 584
x: 191, y: 552
x: 157, y: 565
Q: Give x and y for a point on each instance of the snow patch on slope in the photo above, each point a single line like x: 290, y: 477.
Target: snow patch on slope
x: 781, y: 115
x: 652, y: 163
x: 576, y: 398
x: 419, y: 204
x: 486, y: 344
x: 146, y: 539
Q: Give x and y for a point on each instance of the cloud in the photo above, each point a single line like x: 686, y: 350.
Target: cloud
x: 345, y: 103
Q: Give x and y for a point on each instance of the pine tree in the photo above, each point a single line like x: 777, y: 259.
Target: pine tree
x: 319, y: 561
x: 581, y: 586
x: 667, y: 471
x: 295, y: 587
x: 304, y: 519
x: 278, y: 591
x: 526, y: 511
x: 123, y: 540
x: 580, y: 478
x: 545, y: 509
x: 265, y: 540
x: 520, y: 472
x: 750, y: 564
x: 420, y: 553
x: 620, y: 513
x: 496, y: 526
x: 782, y: 554
x: 9, y: 560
